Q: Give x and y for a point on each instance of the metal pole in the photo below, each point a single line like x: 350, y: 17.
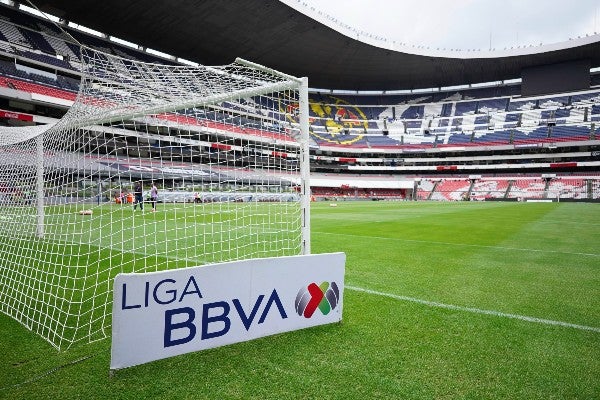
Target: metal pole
x: 39, y: 192
x: 304, y: 166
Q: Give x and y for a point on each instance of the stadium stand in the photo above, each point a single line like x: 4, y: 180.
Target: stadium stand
x: 594, y: 189
x: 425, y: 187
x: 489, y: 188
x: 568, y: 188
x: 489, y: 130
x: 451, y: 189
x: 533, y: 188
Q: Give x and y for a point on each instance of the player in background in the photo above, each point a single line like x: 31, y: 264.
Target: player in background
x: 139, y: 195
x: 153, y: 196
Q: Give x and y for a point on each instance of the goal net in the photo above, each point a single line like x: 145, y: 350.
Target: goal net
x: 153, y: 167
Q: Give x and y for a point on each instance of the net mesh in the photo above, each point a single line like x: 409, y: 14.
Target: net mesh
x: 153, y: 167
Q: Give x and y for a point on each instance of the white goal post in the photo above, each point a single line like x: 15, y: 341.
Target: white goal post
x: 153, y: 167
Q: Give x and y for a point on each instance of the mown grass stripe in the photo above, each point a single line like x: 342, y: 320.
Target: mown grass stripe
x: 461, y: 244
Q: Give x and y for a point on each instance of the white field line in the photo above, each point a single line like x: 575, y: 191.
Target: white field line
x: 562, y: 222
x: 477, y: 310
x: 461, y: 244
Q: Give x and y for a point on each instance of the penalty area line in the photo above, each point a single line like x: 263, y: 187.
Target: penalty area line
x: 476, y: 310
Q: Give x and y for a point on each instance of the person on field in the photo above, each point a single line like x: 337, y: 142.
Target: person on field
x: 139, y: 195
x: 154, y: 196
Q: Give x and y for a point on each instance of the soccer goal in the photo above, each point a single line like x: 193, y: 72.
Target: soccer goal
x: 153, y: 167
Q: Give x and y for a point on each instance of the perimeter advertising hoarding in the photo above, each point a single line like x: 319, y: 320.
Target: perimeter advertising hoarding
x: 163, y: 314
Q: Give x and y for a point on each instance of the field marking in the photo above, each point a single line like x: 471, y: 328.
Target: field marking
x: 461, y: 244
x: 477, y: 310
x: 560, y: 222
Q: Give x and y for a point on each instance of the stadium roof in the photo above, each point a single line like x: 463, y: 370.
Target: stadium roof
x: 214, y: 32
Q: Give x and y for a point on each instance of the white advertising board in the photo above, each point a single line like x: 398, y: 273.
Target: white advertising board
x: 162, y: 314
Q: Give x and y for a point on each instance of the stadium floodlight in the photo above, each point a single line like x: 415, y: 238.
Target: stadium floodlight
x: 226, y: 147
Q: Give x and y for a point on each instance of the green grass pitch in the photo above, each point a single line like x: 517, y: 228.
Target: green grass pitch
x: 443, y: 300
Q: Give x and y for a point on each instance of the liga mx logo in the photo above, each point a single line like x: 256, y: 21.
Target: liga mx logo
x: 325, y: 297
